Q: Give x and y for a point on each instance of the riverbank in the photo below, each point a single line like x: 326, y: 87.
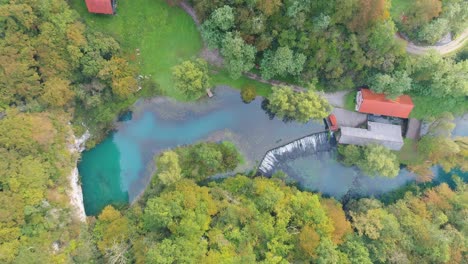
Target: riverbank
x: 75, y: 192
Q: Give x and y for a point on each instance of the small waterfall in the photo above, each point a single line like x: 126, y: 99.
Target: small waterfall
x: 311, y: 144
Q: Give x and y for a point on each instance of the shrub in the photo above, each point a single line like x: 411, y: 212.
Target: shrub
x: 248, y: 93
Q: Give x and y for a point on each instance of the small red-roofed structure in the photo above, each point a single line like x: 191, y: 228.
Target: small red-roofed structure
x: 376, y: 103
x: 332, y: 123
x: 101, y: 6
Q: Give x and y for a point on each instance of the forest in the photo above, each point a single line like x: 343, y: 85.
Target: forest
x: 347, y: 43
x: 60, y: 77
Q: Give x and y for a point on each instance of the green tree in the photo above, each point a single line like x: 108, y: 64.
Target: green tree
x: 169, y: 170
x: 391, y: 85
x: 439, y: 77
x: 309, y: 240
x: 248, y: 93
x: 57, y: 92
x: 281, y: 63
x: 382, y: 37
x: 18, y: 78
x: 438, y: 146
x: 381, y: 232
x: 301, y: 106
x: 300, y: 6
x: 184, y: 211
x: 112, y: 228
x: 124, y: 87
x: 269, y: 7
x: 454, y: 11
x: 211, y: 34
x: 368, y: 13
x: 434, y: 31
x: 372, y: 159
x: 379, y: 160
x: 356, y: 251
x: 202, y: 160
x: 351, y: 154
x: 191, y: 78
x: 223, y: 17
x: 214, y: 29
x: 238, y: 56
x: 164, y: 253
x: 441, y: 126
x: 120, y: 75
x: 342, y: 227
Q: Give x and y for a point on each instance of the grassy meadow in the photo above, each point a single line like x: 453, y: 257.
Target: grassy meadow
x: 165, y: 36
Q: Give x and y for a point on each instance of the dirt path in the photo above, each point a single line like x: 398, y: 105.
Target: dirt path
x: 442, y: 49
x: 212, y: 56
x: 190, y: 11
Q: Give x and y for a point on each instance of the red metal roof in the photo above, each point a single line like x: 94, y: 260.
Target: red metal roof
x: 333, y: 120
x: 376, y: 103
x: 333, y: 124
x: 100, y: 6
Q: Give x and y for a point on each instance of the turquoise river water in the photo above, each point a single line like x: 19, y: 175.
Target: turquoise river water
x: 118, y: 170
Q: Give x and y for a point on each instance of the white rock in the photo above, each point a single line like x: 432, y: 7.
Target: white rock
x: 75, y: 192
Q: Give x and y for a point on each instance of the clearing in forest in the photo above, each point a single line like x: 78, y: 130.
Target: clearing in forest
x: 164, y: 35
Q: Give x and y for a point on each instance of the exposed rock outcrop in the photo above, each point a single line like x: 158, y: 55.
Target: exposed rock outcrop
x: 75, y: 193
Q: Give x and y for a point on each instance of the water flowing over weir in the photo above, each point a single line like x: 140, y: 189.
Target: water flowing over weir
x: 314, y: 143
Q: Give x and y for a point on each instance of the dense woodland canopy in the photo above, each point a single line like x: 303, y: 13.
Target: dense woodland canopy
x: 55, y: 71
x: 342, y: 44
x: 244, y: 220
x: 50, y: 60
x: 52, y: 68
x: 338, y: 42
x: 428, y: 21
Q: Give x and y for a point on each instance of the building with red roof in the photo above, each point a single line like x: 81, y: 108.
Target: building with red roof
x: 101, y: 6
x: 332, y: 123
x: 376, y: 103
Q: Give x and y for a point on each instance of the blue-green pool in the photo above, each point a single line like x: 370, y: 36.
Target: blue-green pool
x: 117, y: 170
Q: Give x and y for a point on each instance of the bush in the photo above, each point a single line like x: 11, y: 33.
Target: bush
x: 248, y: 93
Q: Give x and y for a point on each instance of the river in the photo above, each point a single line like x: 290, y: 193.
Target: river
x: 118, y: 170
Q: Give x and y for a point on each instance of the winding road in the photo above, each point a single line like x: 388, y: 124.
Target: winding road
x: 442, y: 49
x: 410, y: 46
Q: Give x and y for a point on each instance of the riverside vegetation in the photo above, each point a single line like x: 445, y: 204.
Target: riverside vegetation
x: 57, y: 69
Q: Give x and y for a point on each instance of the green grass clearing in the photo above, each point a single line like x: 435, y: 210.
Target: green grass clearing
x: 165, y: 36
x: 222, y: 78
x: 350, y: 101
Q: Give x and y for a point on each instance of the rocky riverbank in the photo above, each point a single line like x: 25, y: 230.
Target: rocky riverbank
x: 75, y: 193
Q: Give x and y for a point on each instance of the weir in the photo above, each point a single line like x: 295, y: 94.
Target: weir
x: 311, y: 144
